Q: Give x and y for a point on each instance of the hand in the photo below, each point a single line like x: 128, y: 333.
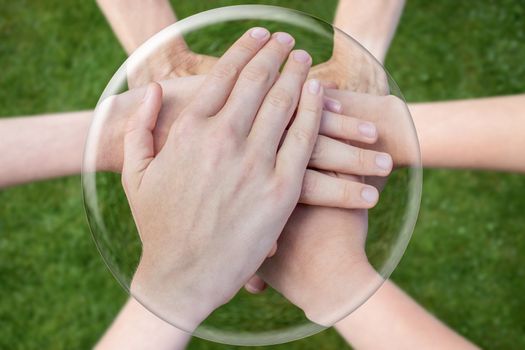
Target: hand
x: 350, y: 68
x: 396, y: 133
x: 321, y: 265
x: 329, y: 154
x: 170, y: 61
x: 221, y: 183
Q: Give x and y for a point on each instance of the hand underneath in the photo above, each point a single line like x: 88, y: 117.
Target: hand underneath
x: 168, y: 62
x: 330, y: 152
x: 395, y: 130
x: 351, y: 68
x: 320, y: 264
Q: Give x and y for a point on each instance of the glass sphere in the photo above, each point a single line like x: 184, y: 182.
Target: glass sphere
x: 266, y: 318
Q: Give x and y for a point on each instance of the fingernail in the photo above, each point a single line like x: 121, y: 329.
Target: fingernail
x: 369, y: 194
x: 384, y: 161
x: 259, y: 33
x: 314, y: 86
x: 301, y: 56
x: 333, y: 105
x: 284, y: 38
x: 367, y: 129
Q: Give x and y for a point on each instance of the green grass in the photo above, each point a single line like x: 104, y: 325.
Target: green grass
x: 465, y: 262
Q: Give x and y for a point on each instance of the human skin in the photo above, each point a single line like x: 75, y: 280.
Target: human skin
x: 239, y: 195
x: 329, y: 154
x: 135, y: 21
x: 83, y: 118
x: 390, y: 319
x: 355, y: 17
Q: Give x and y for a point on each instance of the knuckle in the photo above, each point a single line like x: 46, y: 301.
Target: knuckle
x: 280, y: 99
x: 314, y: 107
x: 276, y: 50
x: 282, y: 189
x: 346, y: 127
x: 247, y: 47
x: 260, y: 151
x: 347, y: 194
x: 303, y: 136
x: 361, y: 158
x: 224, y: 135
x: 256, y: 74
x: 225, y: 71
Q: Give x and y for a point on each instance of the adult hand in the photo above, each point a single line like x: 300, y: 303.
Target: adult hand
x: 320, y: 264
x: 351, y: 68
x: 172, y: 60
x: 396, y: 133
x: 221, y: 183
x: 330, y: 154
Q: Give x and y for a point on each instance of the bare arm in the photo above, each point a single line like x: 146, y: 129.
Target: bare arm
x: 36, y: 148
x: 485, y: 133
x: 135, y: 21
x: 390, y: 319
x: 136, y: 328
x: 372, y: 23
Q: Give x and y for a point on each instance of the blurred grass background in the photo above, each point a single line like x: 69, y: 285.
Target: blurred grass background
x: 465, y: 262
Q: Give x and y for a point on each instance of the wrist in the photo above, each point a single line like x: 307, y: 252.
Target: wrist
x: 356, y: 283
x: 171, y: 297
x: 111, y: 125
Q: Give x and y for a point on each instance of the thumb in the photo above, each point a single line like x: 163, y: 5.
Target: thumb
x: 138, y: 141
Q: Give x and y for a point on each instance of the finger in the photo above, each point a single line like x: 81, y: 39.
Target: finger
x: 332, y: 105
x: 330, y: 191
x: 295, y: 152
x: 255, y: 81
x: 216, y: 88
x: 255, y: 285
x: 280, y: 103
x: 138, y: 141
x: 333, y: 155
x: 347, y: 128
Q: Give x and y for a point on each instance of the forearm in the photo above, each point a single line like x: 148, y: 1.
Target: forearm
x: 136, y: 328
x: 390, y: 319
x: 372, y: 23
x: 36, y: 148
x: 485, y: 133
x: 135, y: 21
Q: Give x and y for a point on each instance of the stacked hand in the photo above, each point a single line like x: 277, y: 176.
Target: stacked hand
x: 215, y: 147
x: 350, y: 67
x: 168, y: 64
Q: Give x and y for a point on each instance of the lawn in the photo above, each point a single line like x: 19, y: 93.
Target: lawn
x: 465, y: 262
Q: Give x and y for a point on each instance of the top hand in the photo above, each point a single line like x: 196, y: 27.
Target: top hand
x: 220, y: 183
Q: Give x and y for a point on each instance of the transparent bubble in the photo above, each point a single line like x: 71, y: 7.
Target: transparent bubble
x: 267, y: 318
